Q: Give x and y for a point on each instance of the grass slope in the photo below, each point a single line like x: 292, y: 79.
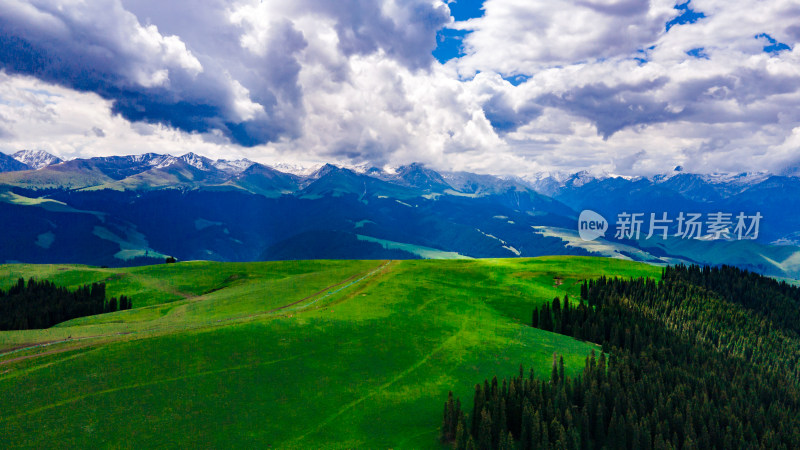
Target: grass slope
x: 296, y: 354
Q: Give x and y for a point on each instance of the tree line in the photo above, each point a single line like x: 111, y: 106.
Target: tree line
x: 42, y: 304
x: 776, y: 300
x: 683, y: 366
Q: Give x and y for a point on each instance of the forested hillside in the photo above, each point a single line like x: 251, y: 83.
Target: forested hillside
x: 705, y: 358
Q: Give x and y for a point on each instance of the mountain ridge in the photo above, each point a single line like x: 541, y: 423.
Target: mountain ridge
x: 36, y: 159
x: 130, y: 208
x: 417, y: 174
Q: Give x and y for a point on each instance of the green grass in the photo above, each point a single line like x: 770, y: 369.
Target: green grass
x: 363, y: 359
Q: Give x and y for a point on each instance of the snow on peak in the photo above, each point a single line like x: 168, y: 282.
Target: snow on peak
x: 584, y: 176
x: 296, y: 169
x: 362, y: 169
x: 158, y: 161
x: 233, y: 167
x: 153, y: 160
x: 163, y: 161
x: 197, y: 161
x: 36, y: 159
x: 739, y: 179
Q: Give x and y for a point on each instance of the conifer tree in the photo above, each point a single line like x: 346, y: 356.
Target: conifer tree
x: 476, y: 408
x: 461, y: 435
x: 485, y: 431
x: 525, y: 438
x: 450, y: 418
x: 506, y: 442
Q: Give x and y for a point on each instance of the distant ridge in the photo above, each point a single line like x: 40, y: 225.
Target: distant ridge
x: 416, y: 175
x: 9, y: 164
x: 119, y: 210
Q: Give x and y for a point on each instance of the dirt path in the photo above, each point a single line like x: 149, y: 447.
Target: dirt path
x: 62, y: 341
x: 26, y: 345
x: 328, y: 289
x: 49, y: 352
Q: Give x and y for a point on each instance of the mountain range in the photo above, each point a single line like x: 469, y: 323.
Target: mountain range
x: 125, y: 210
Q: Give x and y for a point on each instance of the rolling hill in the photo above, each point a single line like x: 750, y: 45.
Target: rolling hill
x: 294, y: 354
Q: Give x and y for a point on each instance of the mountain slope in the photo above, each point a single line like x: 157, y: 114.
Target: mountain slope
x: 178, y: 174
x: 334, y: 181
x: 36, y: 159
x: 9, y: 164
x: 266, y: 181
x: 75, y: 174
x: 418, y: 176
x: 193, y: 207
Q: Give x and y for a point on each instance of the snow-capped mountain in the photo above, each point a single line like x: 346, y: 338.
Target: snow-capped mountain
x: 153, y: 160
x: 158, y: 161
x: 743, y: 179
x: 197, y: 161
x: 296, y: 169
x: 232, y: 166
x: 36, y: 159
x: 549, y: 183
x: 148, y: 161
x: 700, y: 187
x: 579, y: 179
x: 711, y: 186
x: 413, y: 204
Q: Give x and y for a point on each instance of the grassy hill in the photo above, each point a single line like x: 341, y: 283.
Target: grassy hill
x: 295, y: 354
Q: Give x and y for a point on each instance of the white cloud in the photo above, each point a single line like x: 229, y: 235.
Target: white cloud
x: 354, y: 81
x: 66, y: 123
x: 526, y: 36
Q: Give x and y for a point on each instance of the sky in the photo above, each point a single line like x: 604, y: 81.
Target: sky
x: 518, y: 87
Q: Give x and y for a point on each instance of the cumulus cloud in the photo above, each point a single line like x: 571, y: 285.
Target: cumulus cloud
x: 524, y: 36
x: 69, y: 124
x: 622, y: 86
x: 613, y: 108
x: 645, y: 75
x: 228, y: 66
x: 101, y: 47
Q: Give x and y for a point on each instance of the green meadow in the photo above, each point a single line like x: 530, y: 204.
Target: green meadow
x: 294, y: 354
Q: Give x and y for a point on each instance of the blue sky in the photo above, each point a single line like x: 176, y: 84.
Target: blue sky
x: 499, y: 86
x: 687, y: 15
x: 450, y: 40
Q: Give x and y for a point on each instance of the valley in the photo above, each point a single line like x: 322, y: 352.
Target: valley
x: 419, y: 224
x: 132, y: 210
